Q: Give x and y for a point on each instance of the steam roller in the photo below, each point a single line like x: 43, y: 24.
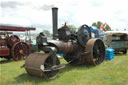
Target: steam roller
x: 77, y: 48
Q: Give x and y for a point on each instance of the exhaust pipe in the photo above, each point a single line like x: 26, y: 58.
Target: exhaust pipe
x: 55, y: 22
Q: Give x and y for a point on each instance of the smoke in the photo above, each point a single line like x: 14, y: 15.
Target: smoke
x: 46, y: 7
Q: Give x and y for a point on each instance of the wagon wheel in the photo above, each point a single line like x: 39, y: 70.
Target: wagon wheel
x: 95, y: 50
x: 13, y: 39
x: 20, y: 50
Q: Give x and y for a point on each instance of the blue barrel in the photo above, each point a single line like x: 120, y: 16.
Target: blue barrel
x: 110, y: 54
x: 60, y: 54
x: 97, y: 35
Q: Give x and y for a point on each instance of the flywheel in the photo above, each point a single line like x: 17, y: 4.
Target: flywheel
x: 83, y: 35
x: 13, y: 39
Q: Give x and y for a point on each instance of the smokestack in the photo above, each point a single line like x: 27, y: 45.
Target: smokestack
x: 55, y: 22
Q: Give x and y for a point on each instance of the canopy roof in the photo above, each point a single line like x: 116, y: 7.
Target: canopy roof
x: 15, y: 28
x: 109, y: 34
x: 116, y: 33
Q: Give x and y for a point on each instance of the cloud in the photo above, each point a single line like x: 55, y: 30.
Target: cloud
x: 97, y: 3
x: 38, y: 12
x: 10, y: 4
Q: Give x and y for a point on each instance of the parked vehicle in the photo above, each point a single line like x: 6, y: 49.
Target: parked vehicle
x: 10, y: 45
x: 118, y: 40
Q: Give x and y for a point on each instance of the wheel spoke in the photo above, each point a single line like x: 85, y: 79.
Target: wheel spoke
x: 20, y: 50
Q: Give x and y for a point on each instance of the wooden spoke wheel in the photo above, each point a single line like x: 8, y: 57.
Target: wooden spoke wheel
x: 20, y: 50
x: 13, y: 39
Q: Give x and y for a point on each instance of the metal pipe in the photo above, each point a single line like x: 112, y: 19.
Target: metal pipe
x: 55, y: 22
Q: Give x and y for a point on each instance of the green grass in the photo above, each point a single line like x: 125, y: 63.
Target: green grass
x: 113, y: 72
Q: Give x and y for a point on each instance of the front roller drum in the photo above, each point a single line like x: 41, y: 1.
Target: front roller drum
x: 38, y: 64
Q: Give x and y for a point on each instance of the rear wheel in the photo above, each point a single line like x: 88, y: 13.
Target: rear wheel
x: 95, y: 49
x: 20, y: 50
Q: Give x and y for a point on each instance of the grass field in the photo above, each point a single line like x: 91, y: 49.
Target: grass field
x: 113, y: 72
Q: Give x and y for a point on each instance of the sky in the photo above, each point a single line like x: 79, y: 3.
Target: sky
x: 37, y: 13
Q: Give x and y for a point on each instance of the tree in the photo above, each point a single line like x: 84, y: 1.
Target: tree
x: 94, y: 24
x: 99, y: 24
x: 47, y: 33
x: 107, y: 28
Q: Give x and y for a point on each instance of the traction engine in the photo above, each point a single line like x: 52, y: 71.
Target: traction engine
x: 77, y: 48
x: 10, y: 45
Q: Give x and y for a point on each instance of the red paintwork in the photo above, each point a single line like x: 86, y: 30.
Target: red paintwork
x: 9, y: 43
x: 4, y: 52
x: 3, y: 42
x: 14, y: 28
x: 13, y: 39
x: 29, y: 44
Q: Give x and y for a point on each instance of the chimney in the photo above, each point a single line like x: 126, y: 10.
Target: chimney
x: 55, y: 22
